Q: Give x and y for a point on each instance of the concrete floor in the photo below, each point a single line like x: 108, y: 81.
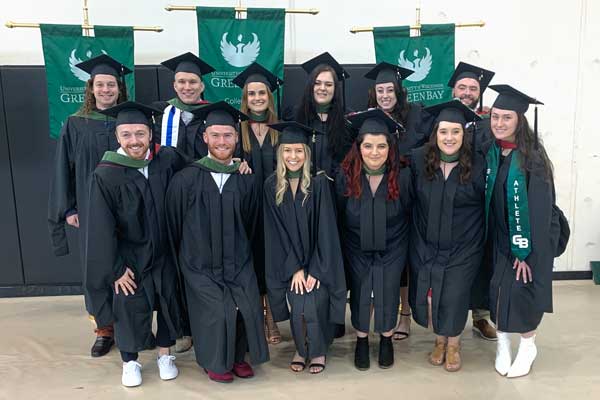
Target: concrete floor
x: 46, y: 341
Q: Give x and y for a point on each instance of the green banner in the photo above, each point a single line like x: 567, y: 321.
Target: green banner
x: 430, y: 55
x: 230, y: 45
x: 64, y: 47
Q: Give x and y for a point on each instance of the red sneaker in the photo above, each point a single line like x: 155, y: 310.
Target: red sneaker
x: 227, y: 377
x: 243, y: 370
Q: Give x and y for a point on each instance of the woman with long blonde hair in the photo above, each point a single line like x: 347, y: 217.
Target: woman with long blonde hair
x: 304, y: 264
x: 257, y: 148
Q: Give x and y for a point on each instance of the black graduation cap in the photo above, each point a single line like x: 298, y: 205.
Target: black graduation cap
x: 220, y: 113
x: 104, y: 64
x: 293, y: 132
x: 188, y: 62
x: 326, y: 59
x: 511, y: 99
x: 257, y: 73
x: 453, y: 111
x: 131, y: 112
x: 374, y: 121
x: 464, y: 70
x: 385, y: 72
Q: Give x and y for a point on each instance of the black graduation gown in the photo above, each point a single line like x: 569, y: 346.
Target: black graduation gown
x: 262, y: 160
x: 80, y: 148
x: 190, y: 140
x: 210, y: 234
x: 374, y: 236
x: 322, y: 158
x: 129, y: 230
x: 302, y: 234
x: 447, y: 240
x: 418, y: 128
x: 516, y: 306
x: 482, y: 131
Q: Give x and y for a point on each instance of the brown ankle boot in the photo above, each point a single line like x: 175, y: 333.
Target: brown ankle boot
x: 453, y: 360
x: 437, y: 355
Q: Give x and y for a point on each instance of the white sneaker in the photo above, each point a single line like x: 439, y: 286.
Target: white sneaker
x: 132, y: 374
x: 167, y: 368
x: 524, y: 359
x: 503, y: 354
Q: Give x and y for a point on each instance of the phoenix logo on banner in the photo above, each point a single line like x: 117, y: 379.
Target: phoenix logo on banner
x: 421, y: 65
x: 242, y: 54
x: 73, y: 61
x: 430, y: 55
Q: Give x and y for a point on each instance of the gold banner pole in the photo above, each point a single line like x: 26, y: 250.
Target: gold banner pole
x: 359, y: 29
x: 11, y: 24
x: 86, y: 18
x: 313, y: 11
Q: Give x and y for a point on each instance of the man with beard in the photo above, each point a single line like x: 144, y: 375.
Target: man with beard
x: 127, y: 245
x: 211, y: 216
x: 178, y: 125
x: 468, y: 84
x: 84, y: 138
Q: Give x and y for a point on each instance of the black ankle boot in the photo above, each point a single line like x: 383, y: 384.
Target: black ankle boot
x: 386, y: 352
x: 361, y: 354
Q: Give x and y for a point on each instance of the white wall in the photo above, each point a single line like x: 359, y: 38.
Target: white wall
x: 548, y: 49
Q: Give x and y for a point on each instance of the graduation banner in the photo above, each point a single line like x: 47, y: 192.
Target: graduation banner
x: 430, y: 55
x: 229, y: 45
x: 64, y: 47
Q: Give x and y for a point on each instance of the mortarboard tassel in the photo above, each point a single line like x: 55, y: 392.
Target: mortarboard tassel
x: 535, y: 127
x: 344, y: 90
x: 123, y: 80
x: 154, y: 138
x: 279, y: 103
x: 480, y: 93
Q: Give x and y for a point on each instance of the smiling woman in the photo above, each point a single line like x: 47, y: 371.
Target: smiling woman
x: 448, y: 222
x: 374, y: 199
x: 258, y: 150
x: 322, y: 108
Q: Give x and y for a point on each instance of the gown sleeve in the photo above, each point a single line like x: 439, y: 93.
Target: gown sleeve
x: 407, y: 191
x: 280, y: 260
x: 101, y: 251
x: 326, y: 262
x: 250, y: 204
x: 176, y: 205
x: 62, y: 200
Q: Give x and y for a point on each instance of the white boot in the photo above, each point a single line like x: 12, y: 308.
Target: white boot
x: 525, y: 357
x: 503, y: 355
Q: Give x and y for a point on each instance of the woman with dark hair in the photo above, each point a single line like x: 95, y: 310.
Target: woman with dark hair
x: 258, y: 142
x: 447, y: 229
x: 374, y: 200
x: 523, y: 228
x: 388, y: 95
x: 322, y: 108
x: 84, y: 138
x: 304, y: 264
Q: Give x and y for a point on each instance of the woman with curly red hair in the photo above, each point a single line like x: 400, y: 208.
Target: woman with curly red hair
x: 374, y: 199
